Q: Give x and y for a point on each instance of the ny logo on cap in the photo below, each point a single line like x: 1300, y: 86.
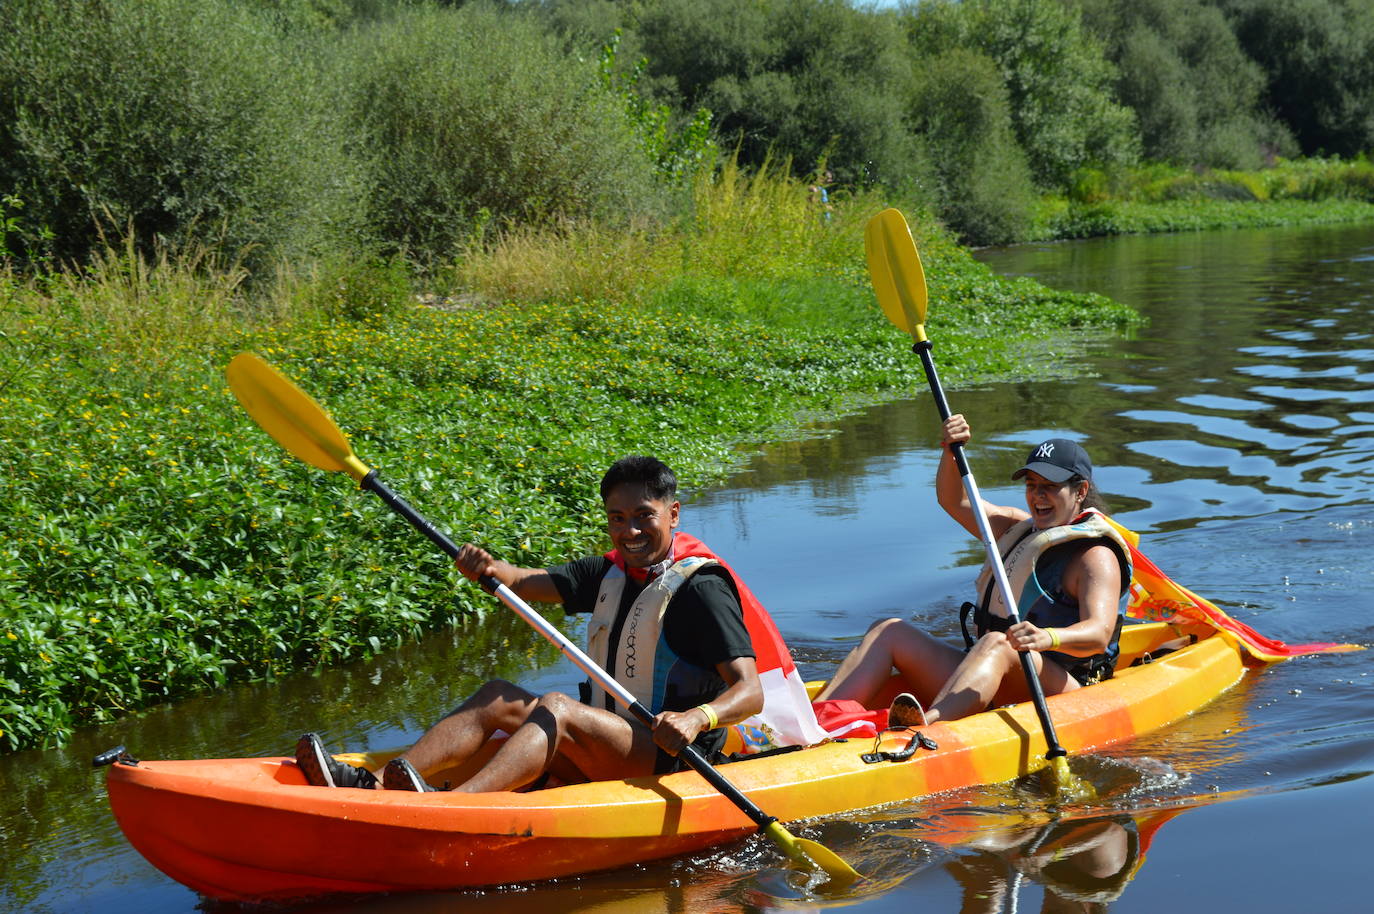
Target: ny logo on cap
x: 1045, y: 450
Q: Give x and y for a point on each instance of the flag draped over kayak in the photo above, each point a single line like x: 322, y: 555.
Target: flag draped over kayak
x: 1157, y: 597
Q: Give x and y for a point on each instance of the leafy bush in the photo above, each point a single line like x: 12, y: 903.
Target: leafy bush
x: 175, y: 121
x: 474, y: 116
x: 1155, y: 83
x: 1318, y: 63
x: 1195, y: 92
x: 983, y: 186
x: 814, y: 81
x: 1059, y: 83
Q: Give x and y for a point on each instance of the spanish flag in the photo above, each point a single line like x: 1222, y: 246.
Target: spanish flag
x: 1154, y: 596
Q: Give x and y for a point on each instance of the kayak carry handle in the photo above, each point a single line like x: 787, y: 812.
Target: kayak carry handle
x: 110, y: 756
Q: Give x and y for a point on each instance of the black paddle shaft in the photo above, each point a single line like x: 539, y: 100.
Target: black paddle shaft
x: 923, y: 349
x: 373, y: 483
x: 1037, y: 691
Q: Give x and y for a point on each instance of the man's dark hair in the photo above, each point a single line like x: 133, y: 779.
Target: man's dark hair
x: 652, y: 473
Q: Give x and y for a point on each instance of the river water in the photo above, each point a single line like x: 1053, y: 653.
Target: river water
x: 1236, y: 432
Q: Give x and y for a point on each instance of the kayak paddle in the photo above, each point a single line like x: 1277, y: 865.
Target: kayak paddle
x: 900, y: 284
x: 299, y: 424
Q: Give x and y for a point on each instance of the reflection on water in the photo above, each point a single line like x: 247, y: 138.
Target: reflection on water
x: 1249, y: 392
x: 1236, y: 431
x: 1082, y: 864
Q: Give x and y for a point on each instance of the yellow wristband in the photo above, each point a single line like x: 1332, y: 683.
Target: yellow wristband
x: 712, y: 721
x: 1054, y: 637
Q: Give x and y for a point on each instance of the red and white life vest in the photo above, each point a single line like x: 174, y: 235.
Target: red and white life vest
x: 787, y: 718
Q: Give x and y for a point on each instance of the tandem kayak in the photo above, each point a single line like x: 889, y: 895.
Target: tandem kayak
x: 251, y: 829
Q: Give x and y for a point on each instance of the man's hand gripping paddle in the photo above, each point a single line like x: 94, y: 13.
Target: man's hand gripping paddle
x: 900, y: 284
x: 301, y: 425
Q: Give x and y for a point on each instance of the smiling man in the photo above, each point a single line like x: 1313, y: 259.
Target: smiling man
x: 669, y: 621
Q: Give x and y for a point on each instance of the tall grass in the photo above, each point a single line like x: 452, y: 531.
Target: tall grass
x: 764, y: 226
x: 147, y: 306
x: 569, y: 259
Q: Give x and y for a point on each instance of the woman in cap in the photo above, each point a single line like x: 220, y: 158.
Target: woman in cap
x: 1069, y: 570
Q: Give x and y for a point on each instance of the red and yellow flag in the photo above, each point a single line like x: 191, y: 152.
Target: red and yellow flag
x: 1157, y: 597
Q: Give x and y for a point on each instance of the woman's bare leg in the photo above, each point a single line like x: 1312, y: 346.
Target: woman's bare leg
x: 992, y: 670
x: 922, y: 661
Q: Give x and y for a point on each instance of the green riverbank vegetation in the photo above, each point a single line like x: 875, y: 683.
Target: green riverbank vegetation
x: 504, y: 244
x: 156, y: 543
x: 290, y: 129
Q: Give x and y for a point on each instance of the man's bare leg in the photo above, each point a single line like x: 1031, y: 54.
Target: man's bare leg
x: 599, y: 744
x: 497, y: 705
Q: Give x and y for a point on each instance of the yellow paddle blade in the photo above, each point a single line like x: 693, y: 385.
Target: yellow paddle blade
x: 895, y: 268
x: 1069, y: 785
x: 813, y: 853
x: 291, y: 416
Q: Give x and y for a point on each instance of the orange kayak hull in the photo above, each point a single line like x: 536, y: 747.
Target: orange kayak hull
x: 252, y: 830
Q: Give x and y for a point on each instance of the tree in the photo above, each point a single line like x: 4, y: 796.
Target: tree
x: 1058, y: 80
x: 176, y: 122
x: 475, y: 116
x: 983, y: 186
x: 1318, y: 60
x: 1197, y: 96
x: 813, y: 80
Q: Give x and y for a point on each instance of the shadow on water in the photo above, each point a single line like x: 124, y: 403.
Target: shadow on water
x: 1236, y: 432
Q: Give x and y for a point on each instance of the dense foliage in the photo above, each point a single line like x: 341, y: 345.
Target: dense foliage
x: 1317, y: 57
x: 156, y: 543
x: 340, y: 129
x: 168, y: 120
x: 819, y: 81
x: 1197, y: 95
x: 452, y: 136
x: 1087, y: 84
x: 1056, y: 77
x: 980, y: 175
x: 183, y: 180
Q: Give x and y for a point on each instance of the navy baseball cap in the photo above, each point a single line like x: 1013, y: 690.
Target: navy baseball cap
x: 1058, y: 460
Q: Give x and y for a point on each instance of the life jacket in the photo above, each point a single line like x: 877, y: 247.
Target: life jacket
x: 644, y: 663
x: 1036, y: 584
